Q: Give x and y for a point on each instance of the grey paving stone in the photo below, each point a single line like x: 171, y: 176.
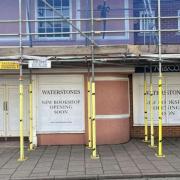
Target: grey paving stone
x: 127, y: 164
x: 76, y: 168
x: 112, y: 172
x: 78, y: 163
x: 60, y: 162
x: 93, y: 165
x: 95, y: 171
x: 109, y: 162
x: 145, y: 171
x: 57, y: 172
x: 44, y: 164
x: 166, y: 169
x: 175, y: 165
x: 130, y: 170
x: 160, y: 163
x: 7, y: 171
x: 72, y: 173
x: 76, y: 158
x: 59, y: 167
x: 89, y: 160
x: 111, y: 167
x: 39, y: 175
x: 11, y: 165
x: 145, y: 166
x: 5, y: 177
x: 122, y: 159
x: 41, y: 170
x: 25, y: 168
x: 20, y: 175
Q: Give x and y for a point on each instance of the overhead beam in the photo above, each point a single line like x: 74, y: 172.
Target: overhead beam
x: 137, y: 50
x: 64, y: 50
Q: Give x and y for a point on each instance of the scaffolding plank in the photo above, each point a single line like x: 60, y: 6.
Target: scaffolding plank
x: 86, y: 51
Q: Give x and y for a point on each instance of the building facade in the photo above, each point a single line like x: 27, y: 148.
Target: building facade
x: 61, y: 31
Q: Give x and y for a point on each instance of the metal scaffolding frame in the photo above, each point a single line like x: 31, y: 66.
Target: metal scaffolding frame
x: 89, y: 35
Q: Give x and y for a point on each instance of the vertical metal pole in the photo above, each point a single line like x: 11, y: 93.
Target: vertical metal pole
x: 28, y: 3
x: 160, y: 151
x: 151, y: 109
x: 94, y: 147
x: 145, y: 108
x: 89, y: 111
x: 30, y: 115
x: 21, y: 93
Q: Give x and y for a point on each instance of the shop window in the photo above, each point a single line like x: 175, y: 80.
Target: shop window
x: 50, y: 20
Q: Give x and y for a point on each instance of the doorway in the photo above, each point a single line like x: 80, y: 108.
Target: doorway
x: 9, y: 107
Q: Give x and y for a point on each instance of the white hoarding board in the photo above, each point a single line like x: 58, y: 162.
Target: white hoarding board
x: 170, y: 102
x: 61, y: 108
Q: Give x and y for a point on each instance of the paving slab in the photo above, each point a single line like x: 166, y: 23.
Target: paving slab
x: 131, y: 160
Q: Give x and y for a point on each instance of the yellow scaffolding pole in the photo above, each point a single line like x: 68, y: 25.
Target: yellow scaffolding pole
x: 89, y: 117
x: 160, y: 147
x: 30, y: 117
x: 94, y: 148
x: 151, y: 110
x: 21, y: 129
x: 145, y: 108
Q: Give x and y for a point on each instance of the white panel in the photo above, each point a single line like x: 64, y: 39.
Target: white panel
x: 170, y: 103
x: 13, y: 111
x: 2, y: 125
x: 61, y: 105
x: 113, y: 116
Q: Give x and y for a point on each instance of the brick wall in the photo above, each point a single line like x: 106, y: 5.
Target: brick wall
x: 168, y: 8
x: 138, y: 131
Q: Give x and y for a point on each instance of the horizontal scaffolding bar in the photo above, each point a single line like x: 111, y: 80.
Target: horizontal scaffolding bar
x: 88, y: 19
x: 95, y: 32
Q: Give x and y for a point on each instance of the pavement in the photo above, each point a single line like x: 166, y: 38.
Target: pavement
x: 133, y: 160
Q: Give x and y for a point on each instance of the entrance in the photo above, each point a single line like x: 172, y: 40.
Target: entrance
x: 9, y: 107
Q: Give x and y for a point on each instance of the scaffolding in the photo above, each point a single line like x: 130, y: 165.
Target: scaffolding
x: 95, y: 21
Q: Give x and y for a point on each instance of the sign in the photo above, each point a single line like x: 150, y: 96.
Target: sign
x: 39, y: 64
x: 170, y: 99
x: 9, y: 65
x: 61, y: 108
x: 155, y: 68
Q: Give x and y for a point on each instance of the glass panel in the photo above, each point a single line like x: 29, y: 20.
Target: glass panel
x: 41, y: 24
x: 65, y: 2
x: 65, y: 24
x: 41, y: 12
x: 49, y: 24
x: 57, y: 24
x: 40, y: 3
x: 49, y: 13
x: 57, y: 29
x: 57, y: 3
x: 49, y: 30
x: 41, y: 30
x: 57, y: 14
x: 65, y: 12
x: 50, y: 2
x: 66, y: 30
